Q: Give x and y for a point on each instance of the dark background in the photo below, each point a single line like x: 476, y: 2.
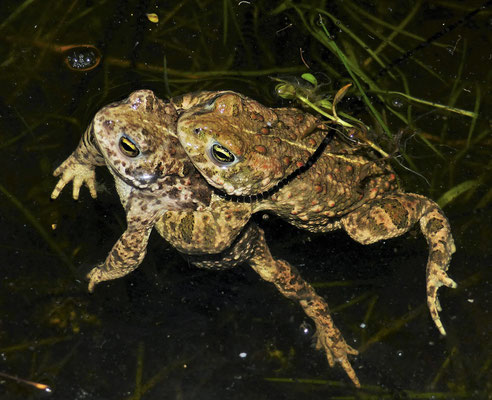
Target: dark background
x: 172, y: 331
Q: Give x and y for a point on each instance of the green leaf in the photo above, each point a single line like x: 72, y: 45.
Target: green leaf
x: 457, y: 190
x: 310, y: 78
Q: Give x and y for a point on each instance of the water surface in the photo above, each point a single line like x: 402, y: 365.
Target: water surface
x: 172, y: 331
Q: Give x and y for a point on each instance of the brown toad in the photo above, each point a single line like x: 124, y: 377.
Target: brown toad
x: 251, y: 152
x: 211, y: 232
x: 151, y: 172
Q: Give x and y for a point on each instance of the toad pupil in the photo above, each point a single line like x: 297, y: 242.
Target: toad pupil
x: 221, y: 154
x: 128, y: 147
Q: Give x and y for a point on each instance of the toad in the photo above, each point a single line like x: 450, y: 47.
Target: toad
x: 151, y: 172
x: 159, y: 188
x: 254, y: 153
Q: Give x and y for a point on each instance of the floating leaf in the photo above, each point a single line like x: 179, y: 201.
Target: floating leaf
x: 153, y: 17
x: 310, y: 78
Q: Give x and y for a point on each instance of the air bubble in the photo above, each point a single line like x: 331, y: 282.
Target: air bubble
x: 82, y: 57
x: 397, y: 102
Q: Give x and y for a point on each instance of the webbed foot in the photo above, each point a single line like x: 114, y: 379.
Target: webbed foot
x: 436, y: 277
x: 95, y: 276
x: 107, y: 272
x: 337, y: 350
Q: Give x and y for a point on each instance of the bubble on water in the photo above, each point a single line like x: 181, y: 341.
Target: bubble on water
x: 82, y: 58
x: 306, y: 329
x: 397, y: 102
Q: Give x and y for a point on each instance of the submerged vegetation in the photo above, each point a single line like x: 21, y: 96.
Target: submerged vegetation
x: 414, y: 74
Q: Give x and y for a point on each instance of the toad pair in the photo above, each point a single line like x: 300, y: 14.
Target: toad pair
x: 172, y: 162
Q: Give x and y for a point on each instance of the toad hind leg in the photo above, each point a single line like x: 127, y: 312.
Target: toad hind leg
x: 289, y: 282
x: 395, y: 214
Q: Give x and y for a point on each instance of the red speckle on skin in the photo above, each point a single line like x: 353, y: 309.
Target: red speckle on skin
x: 392, y: 177
x: 286, y: 161
x: 349, y: 168
x: 331, y: 203
x: 318, y: 188
x: 253, y: 116
x: 299, y: 164
x: 312, y: 142
x: 261, y: 149
x: 264, y: 131
x: 277, y: 140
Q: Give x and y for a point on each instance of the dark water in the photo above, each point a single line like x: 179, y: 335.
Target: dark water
x: 172, y: 331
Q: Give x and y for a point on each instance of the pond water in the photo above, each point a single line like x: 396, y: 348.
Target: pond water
x: 172, y: 331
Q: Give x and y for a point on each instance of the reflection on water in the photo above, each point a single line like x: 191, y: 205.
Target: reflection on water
x: 170, y: 330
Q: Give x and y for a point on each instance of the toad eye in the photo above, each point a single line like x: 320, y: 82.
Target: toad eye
x: 222, y: 155
x: 128, y: 148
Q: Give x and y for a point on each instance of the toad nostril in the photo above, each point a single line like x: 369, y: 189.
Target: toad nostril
x: 197, y: 131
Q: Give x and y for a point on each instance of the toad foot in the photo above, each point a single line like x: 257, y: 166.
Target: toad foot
x: 337, y: 350
x: 95, y: 276
x: 72, y: 170
x: 435, y: 279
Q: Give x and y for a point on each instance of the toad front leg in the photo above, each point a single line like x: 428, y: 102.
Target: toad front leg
x: 130, y: 249
x: 290, y: 283
x: 79, y: 167
x: 395, y: 214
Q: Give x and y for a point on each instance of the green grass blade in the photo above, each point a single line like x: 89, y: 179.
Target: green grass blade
x: 16, y: 12
x: 474, y: 118
x: 471, y: 114
x: 458, y: 190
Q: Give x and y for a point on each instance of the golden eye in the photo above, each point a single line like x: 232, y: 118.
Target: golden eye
x: 221, y: 154
x: 128, y: 148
